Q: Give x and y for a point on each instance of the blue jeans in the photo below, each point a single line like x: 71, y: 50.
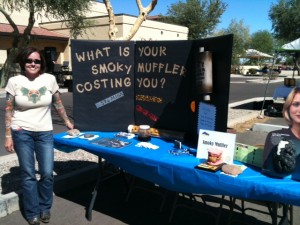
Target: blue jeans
x: 37, y: 194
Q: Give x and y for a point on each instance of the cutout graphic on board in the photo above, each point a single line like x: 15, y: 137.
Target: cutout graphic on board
x: 103, y: 85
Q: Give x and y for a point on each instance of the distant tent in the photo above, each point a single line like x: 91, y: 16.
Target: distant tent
x: 291, y: 47
x: 255, y: 54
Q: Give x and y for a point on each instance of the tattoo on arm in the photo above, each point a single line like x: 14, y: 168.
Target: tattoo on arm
x: 58, y: 105
x: 9, y: 110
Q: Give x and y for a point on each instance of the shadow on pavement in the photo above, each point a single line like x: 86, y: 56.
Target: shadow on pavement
x: 11, y: 182
x: 143, y: 207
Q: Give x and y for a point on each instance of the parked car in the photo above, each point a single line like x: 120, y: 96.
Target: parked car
x: 63, y: 74
x: 284, y: 67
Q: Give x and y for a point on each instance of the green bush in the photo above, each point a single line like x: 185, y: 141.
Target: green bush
x: 252, y: 71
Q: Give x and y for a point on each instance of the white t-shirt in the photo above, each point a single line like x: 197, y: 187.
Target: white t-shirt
x: 33, y: 101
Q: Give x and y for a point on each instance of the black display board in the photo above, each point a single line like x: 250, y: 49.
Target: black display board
x: 103, y: 84
x: 221, y: 49
x: 162, y: 82
x: 158, y: 84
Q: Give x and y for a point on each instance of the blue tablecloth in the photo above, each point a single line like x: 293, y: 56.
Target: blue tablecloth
x: 282, y: 92
x: 177, y: 172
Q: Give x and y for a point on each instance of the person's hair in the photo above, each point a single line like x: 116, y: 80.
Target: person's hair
x: 288, y: 103
x: 23, y: 56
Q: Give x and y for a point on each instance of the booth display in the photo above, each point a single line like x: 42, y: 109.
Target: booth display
x: 149, y: 107
x: 177, y: 172
x: 157, y: 83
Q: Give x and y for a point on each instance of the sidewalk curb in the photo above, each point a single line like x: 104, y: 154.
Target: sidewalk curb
x: 259, y: 127
x: 10, y: 201
x: 242, y: 119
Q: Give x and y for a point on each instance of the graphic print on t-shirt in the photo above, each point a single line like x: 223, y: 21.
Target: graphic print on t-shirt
x: 34, y: 95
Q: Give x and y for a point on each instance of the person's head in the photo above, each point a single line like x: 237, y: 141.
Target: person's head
x: 31, y: 61
x: 291, y: 107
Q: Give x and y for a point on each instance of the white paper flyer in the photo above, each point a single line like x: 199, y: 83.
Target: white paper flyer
x: 214, y: 140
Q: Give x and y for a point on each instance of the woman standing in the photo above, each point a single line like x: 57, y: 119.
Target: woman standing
x: 280, y: 156
x: 29, y: 97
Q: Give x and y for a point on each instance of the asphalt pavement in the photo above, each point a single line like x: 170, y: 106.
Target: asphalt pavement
x: 143, y: 207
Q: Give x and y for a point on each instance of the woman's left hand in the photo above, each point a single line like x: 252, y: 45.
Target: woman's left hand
x: 9, y: 145
x: 69, y: 125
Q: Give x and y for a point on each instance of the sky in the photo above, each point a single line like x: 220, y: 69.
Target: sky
x: 254, y: 13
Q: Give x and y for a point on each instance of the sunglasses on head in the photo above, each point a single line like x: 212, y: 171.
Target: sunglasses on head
x: 35, y: 61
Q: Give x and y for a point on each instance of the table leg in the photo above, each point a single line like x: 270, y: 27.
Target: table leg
x: 285, y: 218
x: 273, y: 209
x: 291, y: 208
x: 231, y: 208
x: 173, y: 207
x: 95, y: 191
x: 220, y: 210
x: 101, y: 178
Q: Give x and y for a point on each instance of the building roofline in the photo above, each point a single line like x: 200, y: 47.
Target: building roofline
x: 41, y: 33
x: 150, y: 18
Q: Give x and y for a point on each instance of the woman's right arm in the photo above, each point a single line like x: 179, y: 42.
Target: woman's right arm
x: 9, y: 110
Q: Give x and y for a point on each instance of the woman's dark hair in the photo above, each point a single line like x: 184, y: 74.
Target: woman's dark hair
x: 23, y: 55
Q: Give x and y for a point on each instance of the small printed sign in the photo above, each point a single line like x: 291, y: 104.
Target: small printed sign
x: 223, y: 143
x: 207, y: 116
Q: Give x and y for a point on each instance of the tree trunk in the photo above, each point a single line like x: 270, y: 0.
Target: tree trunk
x: 19, y: 41
x: 9, y: 68
x: 113, y: 30
x: 141, y: 18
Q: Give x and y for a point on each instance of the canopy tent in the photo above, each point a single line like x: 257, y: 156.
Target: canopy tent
x: 291, y: 47
x: 255, y: 54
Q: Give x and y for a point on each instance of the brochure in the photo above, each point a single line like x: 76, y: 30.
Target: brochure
x: 110, y: 142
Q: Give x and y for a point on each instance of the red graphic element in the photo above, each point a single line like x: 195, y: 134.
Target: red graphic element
x: 146, y: 112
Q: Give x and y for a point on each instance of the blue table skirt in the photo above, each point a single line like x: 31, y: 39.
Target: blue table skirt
x: 282, y: 92
x: 177, y: 172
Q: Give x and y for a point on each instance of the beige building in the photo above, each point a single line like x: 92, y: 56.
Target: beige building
x: 54, y: 36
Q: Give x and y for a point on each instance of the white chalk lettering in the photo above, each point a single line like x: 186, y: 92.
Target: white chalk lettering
x: 103, y: 83
x: 153, y: 51
x: 110, y: 67
x: 124, y: 51
x: 147, y: 82
x: 153, y: 67
x: 92, y: 54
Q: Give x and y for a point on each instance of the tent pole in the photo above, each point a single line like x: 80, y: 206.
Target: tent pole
x: 261, y: 116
